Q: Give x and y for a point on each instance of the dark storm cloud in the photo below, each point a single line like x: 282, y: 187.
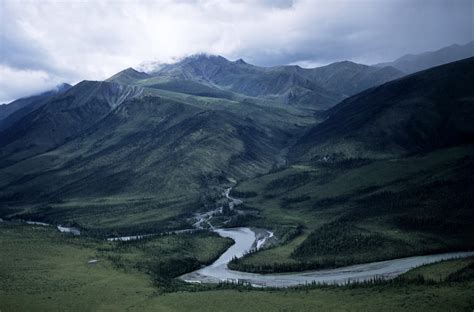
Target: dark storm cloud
x: 374, y: 31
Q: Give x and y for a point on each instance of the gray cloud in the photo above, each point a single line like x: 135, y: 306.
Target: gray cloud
x: 46, y: 42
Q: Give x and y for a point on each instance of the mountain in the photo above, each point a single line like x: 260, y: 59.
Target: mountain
x: 348, y: 78
x: 60, y: 117
x: 412, y: 63
x: 219, y: 77
x: 23, y: 106
x: 418, y: 113
x: 108, y: 145
x: 215, y: 76
x: 148, y: 161
x: 388, y: 174
x: 318, y: 88
x: 146, y: 150
x: 128, y: 76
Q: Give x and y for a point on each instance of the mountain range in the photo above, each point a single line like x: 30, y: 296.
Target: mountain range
x: 415, y: 114
x: 411, y: 63
x: 146, y: 150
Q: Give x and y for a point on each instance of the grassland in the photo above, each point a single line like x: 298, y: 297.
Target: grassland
x: 42, y: 270
x: 442, y: 271
x: 336, y: 213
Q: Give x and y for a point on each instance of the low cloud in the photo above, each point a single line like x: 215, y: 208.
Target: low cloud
x: 17, y: 83
x: 45, y: 42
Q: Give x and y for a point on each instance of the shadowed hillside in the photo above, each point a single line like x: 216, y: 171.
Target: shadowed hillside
x: 14, y: 111
x: 424, y: 111
x: 61, y: 118
x: 412, y: 63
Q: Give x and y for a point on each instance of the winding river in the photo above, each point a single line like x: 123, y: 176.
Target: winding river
x: 245, y: 240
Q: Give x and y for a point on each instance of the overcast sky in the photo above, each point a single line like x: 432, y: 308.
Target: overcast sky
x: 44, y: 43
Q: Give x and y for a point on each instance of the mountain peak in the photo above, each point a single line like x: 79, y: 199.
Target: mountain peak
x: 129, y: 70
x: 348, y: 65
x: 204, y: 57
x: 62, y: 87
x: 127, y: 75
x: 240, y: 62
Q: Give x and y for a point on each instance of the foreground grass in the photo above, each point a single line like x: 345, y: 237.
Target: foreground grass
x: 42, y: 270
x: 46, y: 269
x: 441, y: 271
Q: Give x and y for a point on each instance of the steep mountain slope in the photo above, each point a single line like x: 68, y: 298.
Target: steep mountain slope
x: 418, y: 113
x: 413, y: 63
x: 165, y: 156
x: 23, y: 106
x: 148, y: 150
x: 388, y: 174
x: 60, y: 118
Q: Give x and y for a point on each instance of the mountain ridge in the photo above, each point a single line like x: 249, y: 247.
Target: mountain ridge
x: 28, y: 104
x: 411, y: 63
x: 416, y: 113
x: 141, y: 140
x: 313, y: 88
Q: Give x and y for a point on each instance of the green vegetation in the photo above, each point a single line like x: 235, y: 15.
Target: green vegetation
x: 443, y: 271
x: 414, y: 114
x: 364, y: 212
x: 158, y: 258
x: 42, y: 270
x: 139, y: 152
x: 179, y: 154
x: 386, y: 173
x: 166, y: 257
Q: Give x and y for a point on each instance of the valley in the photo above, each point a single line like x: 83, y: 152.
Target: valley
x: 115, y: 282
x: 209, y: 182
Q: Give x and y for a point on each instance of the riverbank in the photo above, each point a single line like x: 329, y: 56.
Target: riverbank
x: 245, y: 239
x: 44, y: 270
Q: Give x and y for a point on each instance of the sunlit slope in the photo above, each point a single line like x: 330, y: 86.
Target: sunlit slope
x: 215, y: 76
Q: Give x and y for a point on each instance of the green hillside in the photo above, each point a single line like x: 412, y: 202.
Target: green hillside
x: 374, y: 177
x: 418, y: 113
x: 21, y: 107
x: 61, y: 118
x: 150, y: 160
x: 351, y: 211
x: 387, y: 174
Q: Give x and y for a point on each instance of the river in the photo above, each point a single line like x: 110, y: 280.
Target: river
x: 245, y: 240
